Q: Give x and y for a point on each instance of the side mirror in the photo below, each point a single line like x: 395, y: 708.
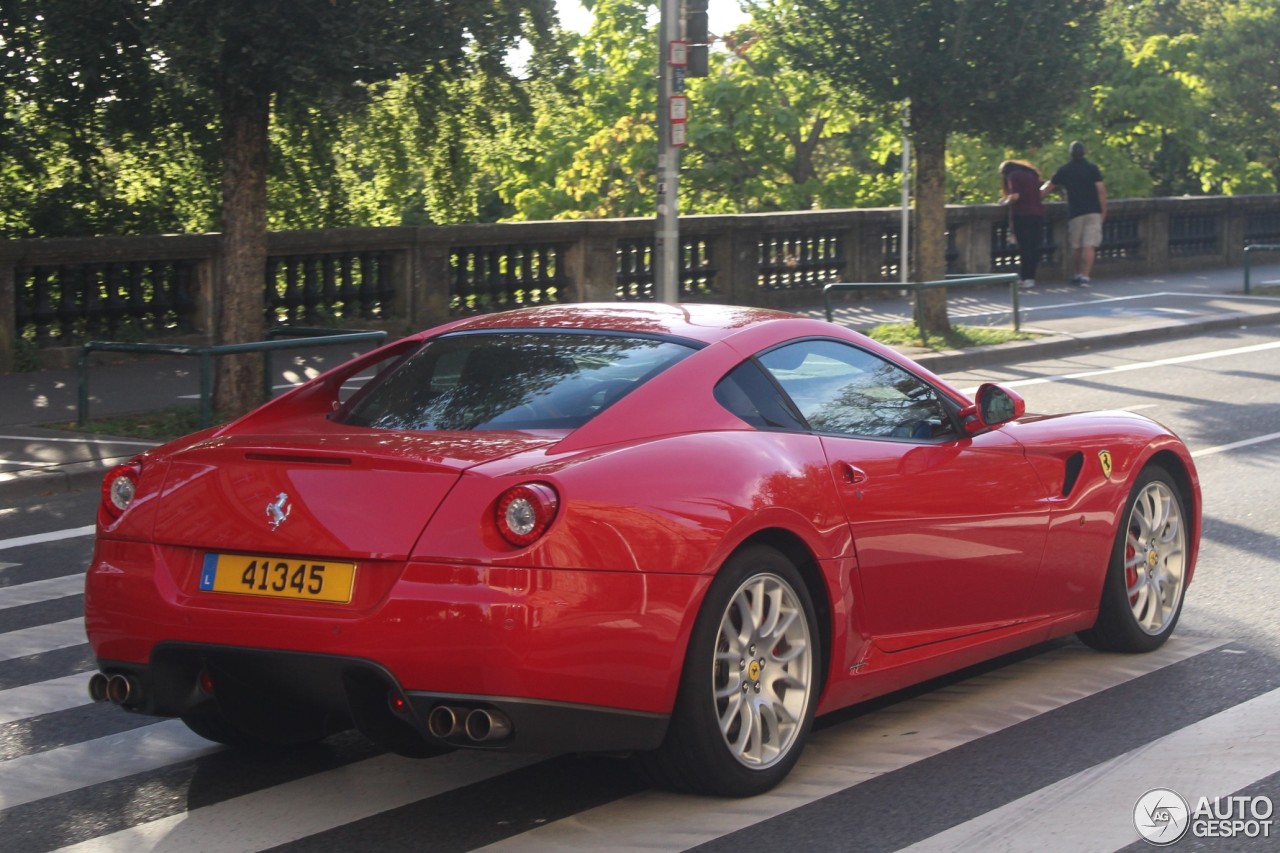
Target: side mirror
x: 993, y: 405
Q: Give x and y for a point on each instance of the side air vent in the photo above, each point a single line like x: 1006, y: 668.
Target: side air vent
x: 1072, y: 473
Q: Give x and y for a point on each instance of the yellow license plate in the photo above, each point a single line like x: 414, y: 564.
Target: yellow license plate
x: 278, y: 577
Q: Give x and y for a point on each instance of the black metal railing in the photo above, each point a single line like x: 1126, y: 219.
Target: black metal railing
x: 1120, y: 239
x: 800, y: 261
x: 498, y: 278
x: 324, y: 287
x: 1193, y: 234
x: 66, y: 303
x: 633, y: 276
x: 62, y: 292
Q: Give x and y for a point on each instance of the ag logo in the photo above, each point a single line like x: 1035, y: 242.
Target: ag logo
x: 1161, y: 816
x: 1104, y: 456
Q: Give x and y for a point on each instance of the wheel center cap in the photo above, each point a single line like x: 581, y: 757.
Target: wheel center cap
x: 753, y: 670
x: 1152, y: 558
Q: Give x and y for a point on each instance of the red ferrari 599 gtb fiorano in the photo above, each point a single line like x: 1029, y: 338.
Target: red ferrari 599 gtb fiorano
x: 678, y: 532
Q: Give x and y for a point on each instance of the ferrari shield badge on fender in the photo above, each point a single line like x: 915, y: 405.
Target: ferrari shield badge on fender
x: 279, y: 509
x: 1104, y: 456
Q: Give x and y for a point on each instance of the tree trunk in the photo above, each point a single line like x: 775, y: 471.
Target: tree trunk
x: 239, y: 299
x: 931, y: 227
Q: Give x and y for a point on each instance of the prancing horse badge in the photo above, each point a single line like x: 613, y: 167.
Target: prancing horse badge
x: 1104, y: 456
x: 279, y: 509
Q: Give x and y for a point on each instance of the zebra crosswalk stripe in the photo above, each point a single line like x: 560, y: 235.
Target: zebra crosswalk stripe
x: 1189, y: 761
x: 839, y: 758
x: 43, y: 590
x: 304, y: 807
x: 56, y: 771
x: 44, y: 697
x: 42, y: 638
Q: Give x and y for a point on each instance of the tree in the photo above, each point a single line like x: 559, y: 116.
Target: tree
x: 1238, y: 49
x: 253, y: 55
x: 764, y: 135
x: 996, y: 69
x: 97, y: 69
x: 90, y: 141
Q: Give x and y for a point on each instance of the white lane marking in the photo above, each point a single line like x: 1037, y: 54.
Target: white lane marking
x: 45, y: 590
x: 295, y: 810
x: 56, y: 771
x: 45, y: 697
x: 1248, y: 442
x: 1090, y: 303
x: 47, y: 439
x: 21, y: 463
x: 1140, y: 365
x: 1209, y: 758
x: 42, y: 638
x: 846, y: 755
x: 40, y: 538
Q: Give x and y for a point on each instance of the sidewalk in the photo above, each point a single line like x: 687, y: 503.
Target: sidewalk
x: 35, y: 459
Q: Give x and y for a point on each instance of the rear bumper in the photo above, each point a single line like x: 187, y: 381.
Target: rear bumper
x: 349, y: 692
x: 568, y: 655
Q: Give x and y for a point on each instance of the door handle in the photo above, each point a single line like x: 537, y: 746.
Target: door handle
x: 851, y: 474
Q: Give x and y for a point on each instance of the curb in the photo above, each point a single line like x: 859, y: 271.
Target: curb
x: 60, y: 479
x: 1058, y: 345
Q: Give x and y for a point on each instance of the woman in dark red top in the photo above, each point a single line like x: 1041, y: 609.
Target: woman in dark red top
x: 1022, y: 194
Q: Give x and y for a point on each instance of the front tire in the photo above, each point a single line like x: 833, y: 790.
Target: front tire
x: 1146, y: 581
x: 749, y: 685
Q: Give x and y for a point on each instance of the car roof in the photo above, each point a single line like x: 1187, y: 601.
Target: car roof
x: 698, y: 322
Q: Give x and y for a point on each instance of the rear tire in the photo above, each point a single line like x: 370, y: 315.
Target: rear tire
x: 1146, y: 580
x: 749, y: 686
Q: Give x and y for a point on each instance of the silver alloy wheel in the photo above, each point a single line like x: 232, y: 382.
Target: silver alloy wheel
x: 762, y: 673
x: 1155, y: 557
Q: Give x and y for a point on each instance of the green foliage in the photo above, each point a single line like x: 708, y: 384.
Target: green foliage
x: 958, y: 337
x: 26, y: 356
x: 388, y: 114
x: 162, y: 425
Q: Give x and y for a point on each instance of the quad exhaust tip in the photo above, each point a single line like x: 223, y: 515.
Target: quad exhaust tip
x: 121, y: 690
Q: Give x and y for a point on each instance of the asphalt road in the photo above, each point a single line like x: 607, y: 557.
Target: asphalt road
x: 1048, y: 750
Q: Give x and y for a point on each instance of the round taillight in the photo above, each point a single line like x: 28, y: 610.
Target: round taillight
x: 525, y: 512
x: 118, y: 489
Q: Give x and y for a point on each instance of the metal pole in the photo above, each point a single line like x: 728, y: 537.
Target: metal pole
x: 666, y: 243
x: 206, y: 388
x: 82, y: 391
x: 904, y: 260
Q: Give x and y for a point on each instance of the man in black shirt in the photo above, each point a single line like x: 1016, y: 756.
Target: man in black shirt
x: 1086, y: 208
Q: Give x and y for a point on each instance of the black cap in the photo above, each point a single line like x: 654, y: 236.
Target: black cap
x: 1077, y: 151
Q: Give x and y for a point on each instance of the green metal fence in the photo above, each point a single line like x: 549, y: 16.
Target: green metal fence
x: 1249, y: 252
x: 307, y: 337
x: 916, y: 287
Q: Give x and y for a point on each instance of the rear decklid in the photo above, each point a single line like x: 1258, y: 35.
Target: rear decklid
x: 360, y: 494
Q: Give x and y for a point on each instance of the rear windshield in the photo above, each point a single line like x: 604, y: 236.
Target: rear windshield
x: 511, y: 381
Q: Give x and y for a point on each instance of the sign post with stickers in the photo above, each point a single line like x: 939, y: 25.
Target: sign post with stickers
x: 673, y: 54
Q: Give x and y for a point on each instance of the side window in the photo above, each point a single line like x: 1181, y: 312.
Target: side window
x: 749, y: 394
x: 841, y: 389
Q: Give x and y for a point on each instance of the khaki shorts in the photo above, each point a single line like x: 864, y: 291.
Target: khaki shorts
x: 1085, y: 230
